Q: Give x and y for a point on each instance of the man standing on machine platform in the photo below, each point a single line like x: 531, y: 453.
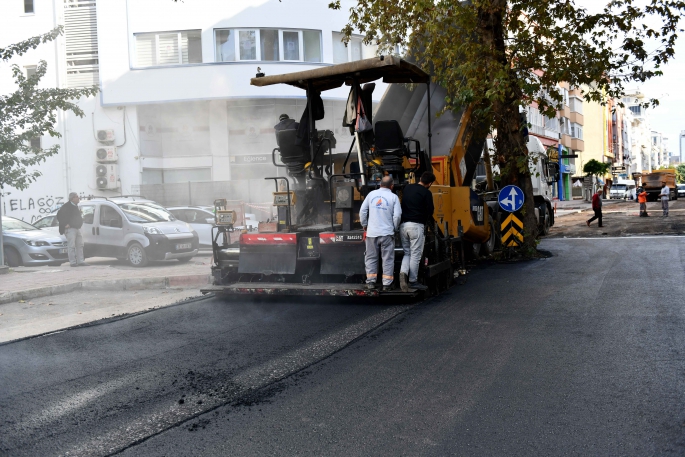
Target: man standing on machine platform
x: 380, y: 215
x: 417, y: 211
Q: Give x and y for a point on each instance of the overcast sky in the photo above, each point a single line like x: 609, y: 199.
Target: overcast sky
x: 669, y: 89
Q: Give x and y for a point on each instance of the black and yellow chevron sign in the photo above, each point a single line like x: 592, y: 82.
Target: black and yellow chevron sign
x: 512, y: 231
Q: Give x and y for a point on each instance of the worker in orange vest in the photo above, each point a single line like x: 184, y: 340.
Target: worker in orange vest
x: 642, y: 200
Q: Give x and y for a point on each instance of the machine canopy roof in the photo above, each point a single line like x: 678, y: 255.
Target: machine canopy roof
x: 391, y: 68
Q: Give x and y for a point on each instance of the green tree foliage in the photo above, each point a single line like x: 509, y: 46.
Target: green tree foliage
x: 596, y: 168
x: 680, y: 173
x: 30, y: 113
x: 500, y: 55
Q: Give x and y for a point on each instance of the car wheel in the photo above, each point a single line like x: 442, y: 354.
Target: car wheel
x: 12, y: 257
x: 136, y: 256
x: 184, y: 259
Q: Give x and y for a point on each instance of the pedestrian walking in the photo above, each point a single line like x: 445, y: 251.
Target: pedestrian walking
x: 665, y: 195
x: 380, y: 215
x: 597, y: 208
x: 417, y: 210
x: 642, y: 200
x: 70, y: 222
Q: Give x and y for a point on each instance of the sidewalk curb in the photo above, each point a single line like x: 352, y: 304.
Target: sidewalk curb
x: 164, y: 282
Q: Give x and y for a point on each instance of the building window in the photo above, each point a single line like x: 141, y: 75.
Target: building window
x: 269, y: 45
x: 36, y: 144
x: 168, y: 48
x: 576, y: 131
x: 354, y: 50
x: 28, y: 7
x: 576, y: 105
x: 30, y: 70
x: 81, y: 43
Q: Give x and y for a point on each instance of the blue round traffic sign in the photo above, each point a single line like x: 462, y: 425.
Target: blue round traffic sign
x: 510, y: 198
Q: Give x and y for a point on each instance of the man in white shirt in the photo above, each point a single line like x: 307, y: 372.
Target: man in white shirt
x: 380, y: 216
x: 665, y: 197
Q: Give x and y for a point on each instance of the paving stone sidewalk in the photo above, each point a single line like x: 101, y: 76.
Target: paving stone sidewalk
x: 104, y: 270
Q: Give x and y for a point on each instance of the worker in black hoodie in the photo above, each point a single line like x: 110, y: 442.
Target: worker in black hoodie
x: 70, y: 222
x: 417, y: 211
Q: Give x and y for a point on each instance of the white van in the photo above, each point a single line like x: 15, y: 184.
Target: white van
x: 136, y: 230
x: 623, y: 189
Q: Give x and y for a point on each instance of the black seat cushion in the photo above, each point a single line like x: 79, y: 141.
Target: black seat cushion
x: 292, y: 155
x: 389, y: 138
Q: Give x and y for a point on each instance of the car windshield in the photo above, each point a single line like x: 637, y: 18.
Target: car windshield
x: 145, y: 212
x: 10, y: 224
x: 619, y: 186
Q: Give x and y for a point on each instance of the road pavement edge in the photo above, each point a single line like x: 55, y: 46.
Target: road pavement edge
x: 160, y: 282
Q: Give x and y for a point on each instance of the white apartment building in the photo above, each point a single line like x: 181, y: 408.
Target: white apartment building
x: 642, y: 154
x: 175, y: 97
x: 659, y: 153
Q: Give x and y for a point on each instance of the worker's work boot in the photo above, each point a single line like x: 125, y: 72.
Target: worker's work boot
x: 417, y: 286
x: 371, y: 285
x: 389, y: 288
x: 404, y: 280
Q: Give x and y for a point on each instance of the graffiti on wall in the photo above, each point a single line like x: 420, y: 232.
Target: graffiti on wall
x: 30, y: 209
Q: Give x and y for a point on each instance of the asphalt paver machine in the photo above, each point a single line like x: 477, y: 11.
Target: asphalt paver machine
x: 316, y: 246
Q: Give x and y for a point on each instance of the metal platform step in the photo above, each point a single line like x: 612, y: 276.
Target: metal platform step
x: 322, y: 289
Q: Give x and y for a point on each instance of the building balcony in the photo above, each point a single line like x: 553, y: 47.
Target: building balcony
x: 566, y: 140
x: 576, y: 117
x: 577, y: 144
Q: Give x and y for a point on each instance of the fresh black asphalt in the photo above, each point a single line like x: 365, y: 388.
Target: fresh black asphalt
x: 578, y: 354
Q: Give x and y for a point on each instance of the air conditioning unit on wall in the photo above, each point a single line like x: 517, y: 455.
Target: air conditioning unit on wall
x: 107, y: 176
x: 106, y: 154
x: 105, y: 136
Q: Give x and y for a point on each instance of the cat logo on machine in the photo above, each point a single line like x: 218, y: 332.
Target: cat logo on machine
x: 342, y: 238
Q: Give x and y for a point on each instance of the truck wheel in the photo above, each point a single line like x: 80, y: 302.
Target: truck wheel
x: 136, y: 256
x: 546, y: 225
x: 12, y: 257
x: 488, y: 247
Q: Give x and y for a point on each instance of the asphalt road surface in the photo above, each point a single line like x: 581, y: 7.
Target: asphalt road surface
x: 578, y: 354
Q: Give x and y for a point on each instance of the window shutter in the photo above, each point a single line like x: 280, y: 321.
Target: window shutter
x: 145, y: 50
x: 168, y: 49
x: 81, y: 39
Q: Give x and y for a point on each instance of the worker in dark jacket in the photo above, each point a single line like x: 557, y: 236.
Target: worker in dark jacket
x: 597, y: 208
x: 417, y: 211
x: 70, y: 222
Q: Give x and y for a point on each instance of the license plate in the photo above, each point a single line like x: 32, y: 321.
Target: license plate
x: 63, y: 251
x: 183, y: 246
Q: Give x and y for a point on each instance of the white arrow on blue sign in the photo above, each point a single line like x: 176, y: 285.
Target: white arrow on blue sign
x: 510, y: 198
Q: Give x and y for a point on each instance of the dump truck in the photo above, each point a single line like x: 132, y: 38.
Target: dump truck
x: 653, y: 182
x: 316, y: 244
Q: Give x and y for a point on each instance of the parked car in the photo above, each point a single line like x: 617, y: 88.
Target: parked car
x: 136, y: 230
x: 27, y: 245
x: 48, y: 223
x: 681, y: 190
x: 199, y: 218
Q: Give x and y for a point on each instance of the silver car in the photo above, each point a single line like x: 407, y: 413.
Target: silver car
x: 27, y: 245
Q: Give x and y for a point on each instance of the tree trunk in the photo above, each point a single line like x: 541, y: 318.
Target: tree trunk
x: 512, y: 152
